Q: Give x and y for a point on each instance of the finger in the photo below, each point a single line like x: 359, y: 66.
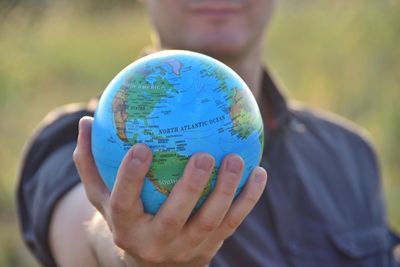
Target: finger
x: 241, y: 206
x: 125, y: 202
x: 96, y: 191
x: 174, y: 213
x: 211, y: 214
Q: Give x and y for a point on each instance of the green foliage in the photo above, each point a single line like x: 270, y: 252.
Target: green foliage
x: 337, y: 55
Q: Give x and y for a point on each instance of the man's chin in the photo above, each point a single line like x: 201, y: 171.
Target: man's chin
x: 218, y: 50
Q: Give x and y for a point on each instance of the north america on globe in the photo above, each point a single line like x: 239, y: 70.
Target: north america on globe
x: 178, y: 103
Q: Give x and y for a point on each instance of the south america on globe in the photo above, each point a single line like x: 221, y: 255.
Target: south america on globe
x: 177, y: 103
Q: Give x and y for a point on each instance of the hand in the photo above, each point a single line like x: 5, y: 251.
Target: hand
x: 171, y: 237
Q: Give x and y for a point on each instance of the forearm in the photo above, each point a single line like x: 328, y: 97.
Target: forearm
x: 102, y: 245
x: 79, y: 235
x: 68, y: 232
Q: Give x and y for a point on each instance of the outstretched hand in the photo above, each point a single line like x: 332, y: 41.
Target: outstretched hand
x: 171, y: 237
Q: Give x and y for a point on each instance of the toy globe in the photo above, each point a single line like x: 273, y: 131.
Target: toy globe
x: 177, y: 103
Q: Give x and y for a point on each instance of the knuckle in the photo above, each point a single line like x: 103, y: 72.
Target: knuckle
x: 193, y: 188
x: 232, y: 223
x: 228, y: 190
x: 151, y: 255
x: 208, y: 225
x: 228, y: 185
x: 170, y: 221
x: 251, y: 199
x: 118, y: 207
x: 76, y: 156
x: 182, y: 257
x: 231, y: 183
x: 195, y: 241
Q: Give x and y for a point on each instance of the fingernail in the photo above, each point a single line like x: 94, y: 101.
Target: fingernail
x: 140, y: 153
x: 234, y: 164
x: 203, y: 162
x: 260, y: 175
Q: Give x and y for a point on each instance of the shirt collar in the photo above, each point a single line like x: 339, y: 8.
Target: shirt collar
x: 273, y: 103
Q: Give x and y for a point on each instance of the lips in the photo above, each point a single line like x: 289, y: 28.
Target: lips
x: 216, y: 8
x: 216, y: 4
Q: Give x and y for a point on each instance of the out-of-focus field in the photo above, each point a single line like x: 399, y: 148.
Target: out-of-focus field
x: 343, y: 56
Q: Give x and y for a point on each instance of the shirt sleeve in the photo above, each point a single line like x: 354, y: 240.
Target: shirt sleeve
x: 38, y: 195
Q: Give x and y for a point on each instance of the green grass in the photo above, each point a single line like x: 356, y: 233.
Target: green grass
x: 342, y: 56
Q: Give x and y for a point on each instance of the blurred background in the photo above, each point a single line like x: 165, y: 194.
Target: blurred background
x: 342, y: 56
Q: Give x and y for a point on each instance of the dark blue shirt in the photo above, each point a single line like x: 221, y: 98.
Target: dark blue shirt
x: 323, y: 205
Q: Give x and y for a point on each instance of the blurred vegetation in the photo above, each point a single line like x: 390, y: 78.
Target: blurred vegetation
x: 342, y: 56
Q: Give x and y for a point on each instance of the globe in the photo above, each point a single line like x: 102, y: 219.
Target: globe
x: 177, y: 103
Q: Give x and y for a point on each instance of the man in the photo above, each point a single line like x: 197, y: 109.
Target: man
x: 323, y: 206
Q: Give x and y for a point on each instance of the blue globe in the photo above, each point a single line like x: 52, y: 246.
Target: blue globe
x: 177, y: 103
